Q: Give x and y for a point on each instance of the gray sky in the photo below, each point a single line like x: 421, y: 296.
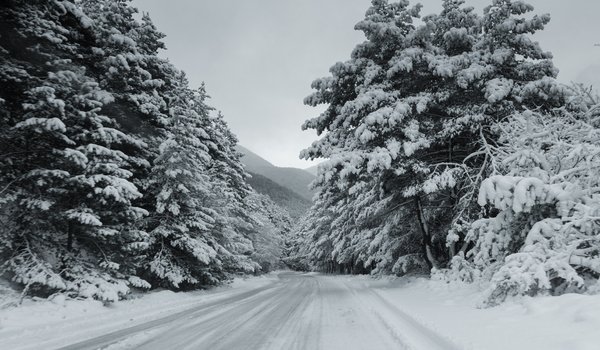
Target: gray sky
x: 259, y: 57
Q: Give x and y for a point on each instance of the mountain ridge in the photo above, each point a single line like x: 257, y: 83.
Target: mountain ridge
x: 312, y: 170
x: 294, y: 179
x: 295, y: 204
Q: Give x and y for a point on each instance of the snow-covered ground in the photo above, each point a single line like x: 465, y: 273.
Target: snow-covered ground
x: 567, y: 322
x: 53, y: 324
x: 308, y: 311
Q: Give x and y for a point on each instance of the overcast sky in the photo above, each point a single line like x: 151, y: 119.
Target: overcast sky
x: 259, y: 57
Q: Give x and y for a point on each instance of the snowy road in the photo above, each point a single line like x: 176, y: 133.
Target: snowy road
x: 295, y: 311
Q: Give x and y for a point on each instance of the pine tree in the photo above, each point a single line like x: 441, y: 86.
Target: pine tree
x: 268, y: 229
x: 410, y: 123
x: 124, y: 58
x: 544, y: 238
x: 67, y: 195
x: 112, y: 168
x: 184, y: 248
x: 229, y: 182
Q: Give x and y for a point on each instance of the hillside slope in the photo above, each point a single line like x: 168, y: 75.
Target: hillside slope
x: 312, y: 170
x: 295, y: 179
x: 295, y: 204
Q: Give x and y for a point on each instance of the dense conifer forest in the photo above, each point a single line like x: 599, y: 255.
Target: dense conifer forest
x: 450, y: 147
x: 115, y: 173
x: 447, y: 147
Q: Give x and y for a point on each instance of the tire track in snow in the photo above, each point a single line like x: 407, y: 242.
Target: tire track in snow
x: 255, y: 325
x: 299, y: 312
x: 414, y: 333
x: 348, y: 323
x: 390, y: 330
x: 117, y: 336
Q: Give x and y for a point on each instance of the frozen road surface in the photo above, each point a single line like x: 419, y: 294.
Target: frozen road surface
x: 294, y: 311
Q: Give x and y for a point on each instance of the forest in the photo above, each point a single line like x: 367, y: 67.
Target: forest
x: 115, y: 173
x: 447, y: 148
x: 451, y: 148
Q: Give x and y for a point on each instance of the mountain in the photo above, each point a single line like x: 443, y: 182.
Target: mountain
x: 590, y: 76
x: 312, y: 170
x: 294, y: 179
x: 295, y: 204
x: 252, y: 160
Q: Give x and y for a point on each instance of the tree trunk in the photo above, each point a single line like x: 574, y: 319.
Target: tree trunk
x: 427, y: 248
x: 453, y: 198
x: 69, y: 237
x: 452, y: 249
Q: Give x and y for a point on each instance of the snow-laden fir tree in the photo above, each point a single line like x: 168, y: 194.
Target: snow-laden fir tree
x: 545, y: 237
x: 146, y: 88
x: 124, y: 60
x: 111, y: 168
x: 67, y: 195
x: 229, y: 183
x: 185, y: 244
x: 409, y: 125
x: 268, y: 229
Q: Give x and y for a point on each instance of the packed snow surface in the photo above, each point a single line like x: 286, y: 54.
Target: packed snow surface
x: 290, y: 310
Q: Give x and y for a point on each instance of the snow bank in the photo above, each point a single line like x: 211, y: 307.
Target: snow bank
x: 570, y: 321
x: 48, y: 324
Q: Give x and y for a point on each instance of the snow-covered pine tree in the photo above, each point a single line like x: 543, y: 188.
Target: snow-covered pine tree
x: 229, y: 187
x: 298, y: 251
x: 66, y: 195
x: 544, y: 238
x: 184, y: 247
x: 356, y: 88
x: 124, y: 60
x: 86, y: 106
x: 408, y: 126
x: 268, y: 229
x: 146, y: 88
